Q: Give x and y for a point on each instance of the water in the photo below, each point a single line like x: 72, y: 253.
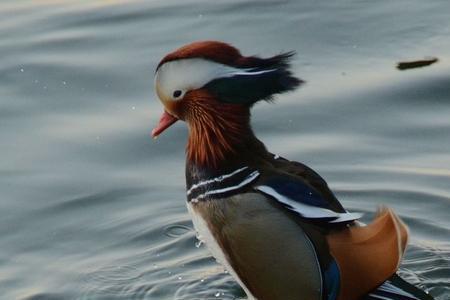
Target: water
x: 92, y: 208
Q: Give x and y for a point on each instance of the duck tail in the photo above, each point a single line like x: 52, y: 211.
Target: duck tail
x: 395, y: 288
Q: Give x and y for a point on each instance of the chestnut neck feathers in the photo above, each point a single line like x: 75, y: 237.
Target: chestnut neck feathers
x: 220, y: 134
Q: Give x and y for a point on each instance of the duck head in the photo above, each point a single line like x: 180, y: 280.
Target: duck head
x: 212, y: 87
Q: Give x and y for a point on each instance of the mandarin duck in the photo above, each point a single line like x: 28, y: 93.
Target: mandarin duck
x: 273, y: 223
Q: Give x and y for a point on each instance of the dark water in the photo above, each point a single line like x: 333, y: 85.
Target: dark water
x: 92, y: 208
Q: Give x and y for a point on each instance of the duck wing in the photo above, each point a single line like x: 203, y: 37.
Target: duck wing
x: 301, y: 190
x: 375, y: 250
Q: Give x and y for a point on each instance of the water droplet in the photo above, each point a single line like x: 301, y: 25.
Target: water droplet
x: 64, y: 83
x: 133, y: 107
x: 179, y: 277
x: 217, y: 294
x: 21, y: 70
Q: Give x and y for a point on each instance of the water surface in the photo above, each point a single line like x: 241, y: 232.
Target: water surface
x: 92, y: 208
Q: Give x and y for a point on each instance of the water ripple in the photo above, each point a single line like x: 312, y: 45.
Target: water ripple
x: 98, y: 209
x: 109, y: 281
x: 428, y: 267
x: 176, y: 230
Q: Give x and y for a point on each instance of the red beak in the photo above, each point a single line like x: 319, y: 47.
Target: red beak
x: 165, y: 122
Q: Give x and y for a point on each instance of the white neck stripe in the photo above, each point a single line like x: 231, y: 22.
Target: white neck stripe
x: 249, y: 179
x: 216, y: 179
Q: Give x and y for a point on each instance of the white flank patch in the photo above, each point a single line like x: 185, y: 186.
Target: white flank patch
x: 379, y: 297
x: 205, y: 235
x: 388, y: 287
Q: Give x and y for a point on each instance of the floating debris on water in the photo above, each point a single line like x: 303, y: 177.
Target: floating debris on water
x: 406, y: 65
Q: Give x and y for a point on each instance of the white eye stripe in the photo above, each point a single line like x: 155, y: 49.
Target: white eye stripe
x: 251, y: 73
x: 194, y: 73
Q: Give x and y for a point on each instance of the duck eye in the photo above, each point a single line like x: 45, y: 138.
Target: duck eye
x: 177, y: 94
